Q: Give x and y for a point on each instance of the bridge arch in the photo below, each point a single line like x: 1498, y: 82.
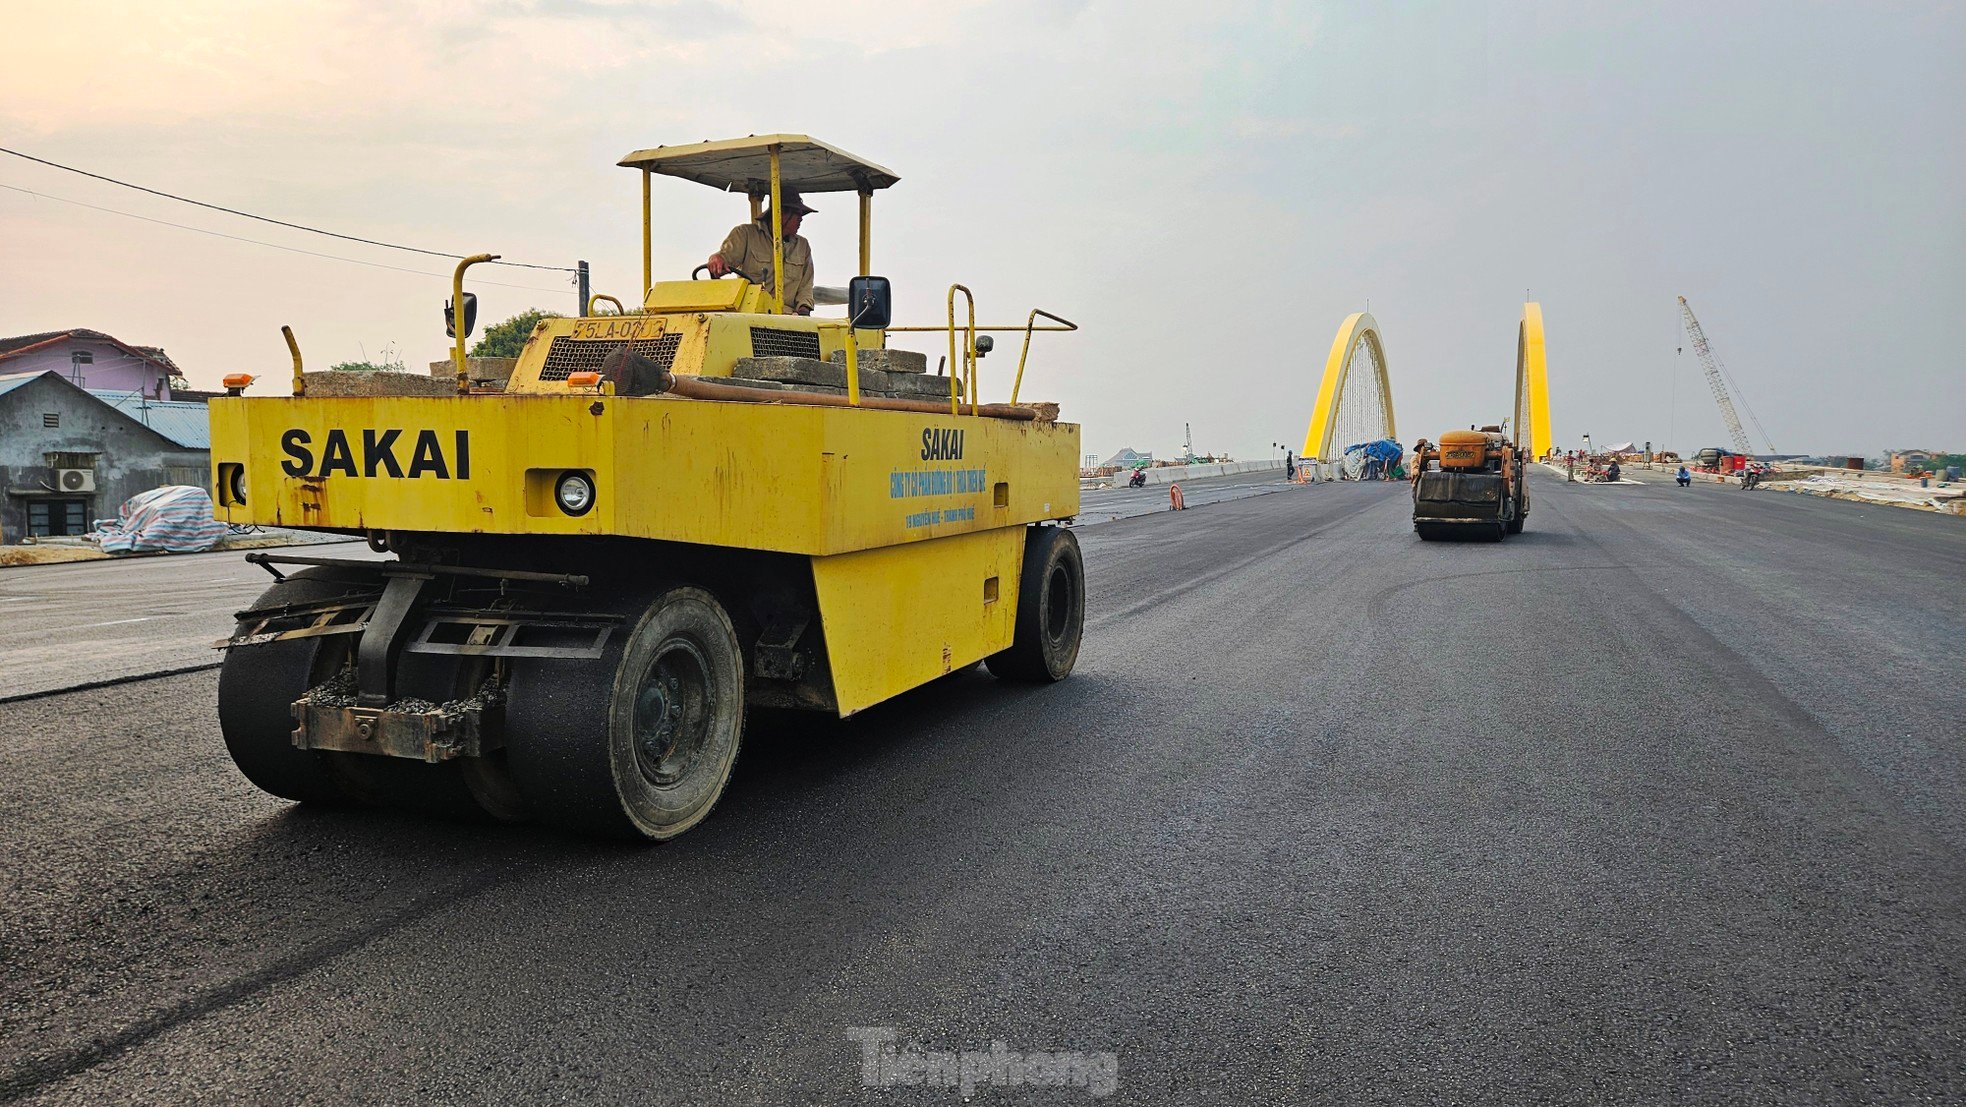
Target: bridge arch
x: 1532, y: 384
x: 1349, y: 410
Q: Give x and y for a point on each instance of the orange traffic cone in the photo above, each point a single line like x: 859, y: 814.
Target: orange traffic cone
x: 1174, y: 497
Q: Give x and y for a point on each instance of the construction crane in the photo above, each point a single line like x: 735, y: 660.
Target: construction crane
x: 1719, y: 381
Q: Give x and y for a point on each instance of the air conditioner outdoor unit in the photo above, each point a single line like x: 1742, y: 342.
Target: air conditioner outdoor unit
x: 75, y: 480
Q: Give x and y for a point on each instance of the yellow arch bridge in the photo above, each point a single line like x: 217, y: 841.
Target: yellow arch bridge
x: 1349, y: 412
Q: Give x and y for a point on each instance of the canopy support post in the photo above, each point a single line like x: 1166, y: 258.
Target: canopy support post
x: 866, y: 232
x: 777, y: 239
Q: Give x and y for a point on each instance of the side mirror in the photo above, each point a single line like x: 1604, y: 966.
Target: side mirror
x: 984, y: 344
x: 470, y: 316
x: 869, y: 303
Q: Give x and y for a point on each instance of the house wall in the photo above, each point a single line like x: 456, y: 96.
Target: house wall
x: 114, y: 369
x: 129, y: 457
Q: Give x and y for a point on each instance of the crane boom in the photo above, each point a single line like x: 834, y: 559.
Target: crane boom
x: 1715, y: 381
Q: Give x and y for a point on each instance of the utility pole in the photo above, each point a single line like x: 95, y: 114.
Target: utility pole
x: 580, y: 282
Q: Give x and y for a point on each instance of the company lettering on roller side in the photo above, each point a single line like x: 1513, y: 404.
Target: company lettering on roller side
x: 378, y: 453
x: 941, y: 445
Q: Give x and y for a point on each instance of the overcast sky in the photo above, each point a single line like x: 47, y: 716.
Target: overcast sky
x: 1208, y: 188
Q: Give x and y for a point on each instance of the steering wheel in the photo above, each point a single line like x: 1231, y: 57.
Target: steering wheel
x: 705, y: 268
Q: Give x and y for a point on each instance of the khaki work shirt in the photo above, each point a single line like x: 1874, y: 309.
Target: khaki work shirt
x: 747, y: 249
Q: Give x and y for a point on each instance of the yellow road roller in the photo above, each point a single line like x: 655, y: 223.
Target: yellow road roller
x: 1471, y: 485
x: 665, y: 514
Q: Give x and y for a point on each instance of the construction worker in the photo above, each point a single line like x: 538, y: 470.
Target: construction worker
x: 747, y: 251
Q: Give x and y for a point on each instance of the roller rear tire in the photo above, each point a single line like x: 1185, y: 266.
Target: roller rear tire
x: 1050, y: 618
x: 640, y: 743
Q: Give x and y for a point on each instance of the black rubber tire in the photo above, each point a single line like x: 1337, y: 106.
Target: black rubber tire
x: 258, y: 684
x: 571, y: 726
x: 1515, y: 525
x: 1050, y: 618
x: 488, y: 781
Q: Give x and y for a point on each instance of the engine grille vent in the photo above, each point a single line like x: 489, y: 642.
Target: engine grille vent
x: 774, y: 342
x: 568, y: 356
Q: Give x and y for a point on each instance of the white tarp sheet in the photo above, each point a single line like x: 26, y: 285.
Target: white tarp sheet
x: 1836, y: 486
x: 176, y: 518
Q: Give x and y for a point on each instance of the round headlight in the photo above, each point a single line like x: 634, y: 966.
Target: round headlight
x: 237, y: 485
x: 575, y: 493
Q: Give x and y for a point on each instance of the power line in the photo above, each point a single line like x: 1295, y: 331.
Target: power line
x: 268, y: 219
x: 268, y: 245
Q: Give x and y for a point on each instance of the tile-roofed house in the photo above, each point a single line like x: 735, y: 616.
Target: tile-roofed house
x: 92, y: 359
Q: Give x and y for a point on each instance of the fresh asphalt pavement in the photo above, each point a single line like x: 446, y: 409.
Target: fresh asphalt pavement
x: 85, y: 622
x: 1662, y: 801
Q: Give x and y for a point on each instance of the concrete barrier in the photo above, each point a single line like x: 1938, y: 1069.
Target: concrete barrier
x: 1168, y: 473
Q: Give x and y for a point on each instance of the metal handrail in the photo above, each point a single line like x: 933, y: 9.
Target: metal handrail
x: 1030, y: 325
x: 457, y: 318
x: 1007, y: 328
x: 293, y: 347
x: 852, y: 349
x: 968, y: 364
x: 618, y: 308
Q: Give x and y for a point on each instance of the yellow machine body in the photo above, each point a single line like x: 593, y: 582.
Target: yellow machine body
x: 787, y: 478
x: 818, y: 481
x: 683, y: 334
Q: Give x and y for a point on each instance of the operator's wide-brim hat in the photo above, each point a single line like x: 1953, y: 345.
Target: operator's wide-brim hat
x: 791, y: 203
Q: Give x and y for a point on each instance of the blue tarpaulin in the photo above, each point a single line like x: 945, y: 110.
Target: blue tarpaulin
x: 1379, y: 449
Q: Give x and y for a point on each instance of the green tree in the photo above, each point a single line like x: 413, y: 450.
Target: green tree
x: 508, y: 338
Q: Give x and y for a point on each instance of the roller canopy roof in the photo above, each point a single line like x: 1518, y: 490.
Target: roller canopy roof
x: 744, y: 165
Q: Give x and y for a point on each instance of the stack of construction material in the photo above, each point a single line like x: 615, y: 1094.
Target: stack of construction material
x: 345, y: 382
x: 890, y: 374
x: 488, y: 373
